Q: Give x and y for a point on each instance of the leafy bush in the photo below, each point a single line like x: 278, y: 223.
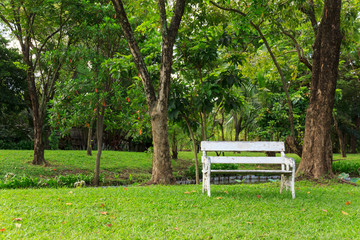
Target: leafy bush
x: 352, y: 168
x: 21, y: 145
x: 10, y: 180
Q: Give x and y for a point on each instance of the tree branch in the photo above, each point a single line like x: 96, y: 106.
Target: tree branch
x: 176, y: 19
x: 310, y: 12
x: 229, y: 9
x: 46, y: 40
x: 135, y: 51
x: 299, y: 50
x: 163, y: 22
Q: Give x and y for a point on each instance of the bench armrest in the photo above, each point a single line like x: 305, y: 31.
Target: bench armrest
x: 290, y: 161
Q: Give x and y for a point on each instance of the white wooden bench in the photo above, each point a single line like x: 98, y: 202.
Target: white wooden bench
x: 287, y: 170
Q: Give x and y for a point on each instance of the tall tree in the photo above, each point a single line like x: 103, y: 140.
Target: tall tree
x: 260, y: 8
x: 39, y: 27
x: 317, y: 149
x: 157, y: 101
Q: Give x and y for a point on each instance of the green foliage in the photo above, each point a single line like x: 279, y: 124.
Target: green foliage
x: 12, y: 181
x: 21, y: 145
x: 352, y: 168
x: 15, y: 129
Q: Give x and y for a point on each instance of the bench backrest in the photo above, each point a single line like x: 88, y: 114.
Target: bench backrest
x: 242, y: 146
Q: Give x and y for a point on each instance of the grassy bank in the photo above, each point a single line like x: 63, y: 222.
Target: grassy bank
x: 249, y: 211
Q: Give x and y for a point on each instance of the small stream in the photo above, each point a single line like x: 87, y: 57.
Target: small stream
x: 234, y: 179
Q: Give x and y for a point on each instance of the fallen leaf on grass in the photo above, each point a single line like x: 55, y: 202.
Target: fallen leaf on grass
x: 193, y: 191
x: 324, y: 210
x: 303, y: 209
x: 345, y: 213
x: 176, y: 228
x: 187, y: 192
x: 102, y: 205
x: 103, y: 213
x: 69, y: 203
x: 258, y: 196
x: 348, y: 203
x: 219, y: 198
x: 109, y: 225
x: 226, y: 192
x: 17, y: 219
x: 125, y: 189
x: 2, y: 230
x: 249, y: 223
x: 308, y: 192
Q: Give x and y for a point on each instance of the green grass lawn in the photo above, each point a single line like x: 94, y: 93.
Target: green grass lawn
x: 247, y: 211
x: 115, y: 166
x: 121, y: 168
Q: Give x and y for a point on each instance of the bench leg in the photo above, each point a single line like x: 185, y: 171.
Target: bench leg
x: 203, y: 177
x: 206, y: 177
x: 208, y: 181
x: 285, y: 183
x: 293, y: 185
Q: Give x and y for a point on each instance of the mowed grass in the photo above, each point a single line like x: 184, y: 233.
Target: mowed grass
x: 115, y: 165
x: 250, y: 211
x: 118, y: 168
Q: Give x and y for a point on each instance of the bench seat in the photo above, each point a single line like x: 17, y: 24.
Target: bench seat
x: 287, y: 164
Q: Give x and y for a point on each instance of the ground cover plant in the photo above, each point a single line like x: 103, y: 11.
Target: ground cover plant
x: 246, y: 211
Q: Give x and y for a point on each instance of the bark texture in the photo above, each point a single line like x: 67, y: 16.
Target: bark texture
x: 157, y: 102
x: 316, y: 159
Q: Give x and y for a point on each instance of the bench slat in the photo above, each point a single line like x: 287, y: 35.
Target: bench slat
x: 254, y: 171
x: 242, y: 146
x: 249, y: 160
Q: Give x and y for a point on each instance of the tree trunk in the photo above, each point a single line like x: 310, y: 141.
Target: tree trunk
x: 38, y: 119
x: 99, y: 136
x: 197, y: 181
x: 340, y: 136
x: 316, y: 159
x: 38, y: 141
x: 89, y: 138
x: 174, y: 148
x: 238, y: 126
x: 161, y: 169
x: 157, y: 101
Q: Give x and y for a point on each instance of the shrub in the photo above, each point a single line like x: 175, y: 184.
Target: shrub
x: 10, y: 180
x: 352, y: 168
x: 21, y: 145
